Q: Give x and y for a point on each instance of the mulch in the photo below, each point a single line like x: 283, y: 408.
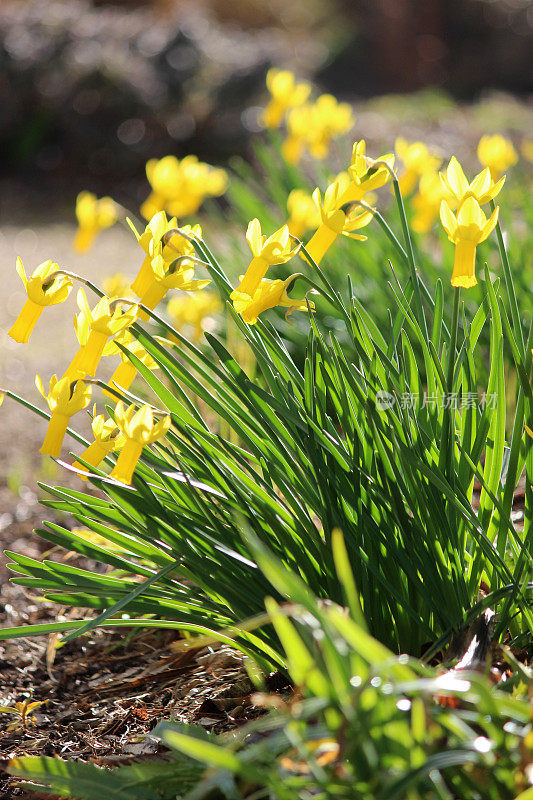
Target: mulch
x: 106, y: 691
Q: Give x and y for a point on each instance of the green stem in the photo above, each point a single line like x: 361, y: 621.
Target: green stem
x: 336, y: 302
x: 382, y: 222
x: 453, y: 340
x: 509, y: 285
x: 411, y: 259
x: 447, y: 440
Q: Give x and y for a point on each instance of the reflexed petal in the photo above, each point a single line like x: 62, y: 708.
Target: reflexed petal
x: 21, y: 272
x: 160, y: 428
x: 456, y: 178
x: 142, y: 423
x: 194, y: 286
x: 481, y: 183
x: 490, y: 224
x: 317, y: 198
x: 133, y: 228
x: 495, y: 189
x: 40, y: 386
x: 281, y: 236
x: 83, y: 304
x: 447, y: 217
x: 253, y: 236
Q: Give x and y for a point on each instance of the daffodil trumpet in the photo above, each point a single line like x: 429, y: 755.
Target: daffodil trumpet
x: 366, y: 174
x: 104, y: 321
x: 127, y: 461
x: 124, y: 374
x: 266, y: 252
x: 334, y: 221
x: 91, y: 353
x: 42, y: 289
x: 320, y: 242
x: 93, y: 455
x: 26, y: 321
x: 268, y: 294
x: 466, y: 230
x: 325, y: 235
x: 151, y: 241
x: 107, y: 438
x: 139, y: 429
x: 64, y: 398
x: 55, y: 433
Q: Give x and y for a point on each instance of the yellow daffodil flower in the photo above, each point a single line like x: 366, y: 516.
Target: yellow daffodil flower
x: 125, y: 373
x: 180, y: 187
x: 82, y: 330
x: 497, y: 153
x: 40, y: 294
x: 334, y: 222
x: 526, y: 148
x: 93, y: 216
x: 275, y: 249
x: 64, y: 399
x: 194, y: 310
x: 105, y: 320
x: 107, y: 438
x: 482, y: 188
x: 286, y: 94
x: 117, y: 285
x: 303, y: 213
x: 165, y: 277
x: 418, y: 160
x: 298, y: 124
x: 151, y: 241
x: 329, y: 120
x: 139, y: 430
x: 365, y: 177
x: 426, y: 202
x: 269, y: 293
x: 466, y: 231
x: 313, y: 126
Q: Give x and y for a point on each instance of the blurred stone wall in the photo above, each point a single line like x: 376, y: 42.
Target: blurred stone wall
x: 89, y: 91
x: 463, y: 46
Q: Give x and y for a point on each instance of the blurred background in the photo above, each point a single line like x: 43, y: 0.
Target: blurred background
x: 89, y: 89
